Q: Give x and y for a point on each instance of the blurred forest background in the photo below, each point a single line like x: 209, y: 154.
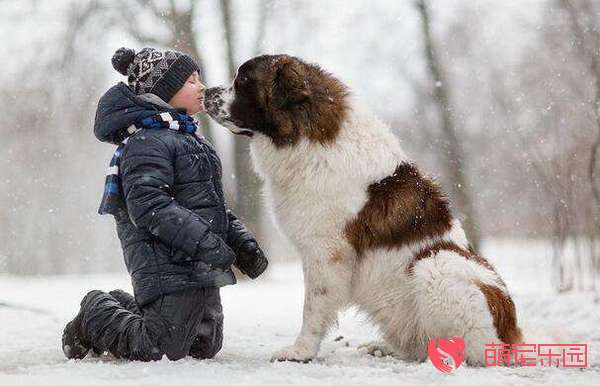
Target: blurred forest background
x: 498, y: 99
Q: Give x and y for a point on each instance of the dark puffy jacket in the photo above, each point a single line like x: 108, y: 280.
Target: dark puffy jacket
x: 179, y: 233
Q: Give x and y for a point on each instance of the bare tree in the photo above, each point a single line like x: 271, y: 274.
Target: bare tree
x: 452, y: 149
x: 551, y: 109
x: 47, y: 232
x: 247, y: 195
x: 586, y: 29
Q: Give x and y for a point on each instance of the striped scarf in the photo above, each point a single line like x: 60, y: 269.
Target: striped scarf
x: 113, y: 201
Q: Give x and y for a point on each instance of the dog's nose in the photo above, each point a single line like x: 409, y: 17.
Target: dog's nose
x: 211, y: 99
x: 212, y: 92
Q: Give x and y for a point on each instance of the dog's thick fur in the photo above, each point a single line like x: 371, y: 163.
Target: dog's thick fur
x: 372, y: 230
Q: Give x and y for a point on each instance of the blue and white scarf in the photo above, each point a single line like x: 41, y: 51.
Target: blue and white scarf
x: 113, y: 201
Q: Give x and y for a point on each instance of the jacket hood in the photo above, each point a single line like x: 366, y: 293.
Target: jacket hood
x: 120, y: 108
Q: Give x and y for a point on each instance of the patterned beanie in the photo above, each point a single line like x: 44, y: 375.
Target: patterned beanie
x: 152, y: 71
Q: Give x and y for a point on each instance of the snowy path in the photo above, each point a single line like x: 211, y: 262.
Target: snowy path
x: 260, y: 318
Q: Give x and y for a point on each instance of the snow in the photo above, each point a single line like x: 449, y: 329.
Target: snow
x: 263, y: 316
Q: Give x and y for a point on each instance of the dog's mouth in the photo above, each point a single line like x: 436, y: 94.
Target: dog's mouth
x: 246, y: 132
x: 235, y: 127
x: 232, y: 125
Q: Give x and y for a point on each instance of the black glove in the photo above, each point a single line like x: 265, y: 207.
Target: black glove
x: 222, y: 261
x: 251, y: 260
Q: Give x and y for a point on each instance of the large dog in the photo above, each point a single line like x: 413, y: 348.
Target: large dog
x: 372, y: 229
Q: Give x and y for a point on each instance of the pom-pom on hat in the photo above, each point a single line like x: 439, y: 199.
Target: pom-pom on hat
x: 152, y: 71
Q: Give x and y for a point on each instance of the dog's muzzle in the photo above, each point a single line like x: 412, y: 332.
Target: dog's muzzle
x: 213, y: 102
x: 217, y: 101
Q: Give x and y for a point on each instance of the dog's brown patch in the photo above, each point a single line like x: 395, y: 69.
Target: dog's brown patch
x: 308, y: 101
x: 402, y: 208
x: 503, y: 312
x: 434, y: 249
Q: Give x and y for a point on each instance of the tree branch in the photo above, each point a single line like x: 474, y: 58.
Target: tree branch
x: 589, y: 52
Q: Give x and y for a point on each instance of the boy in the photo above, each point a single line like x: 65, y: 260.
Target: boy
x: 178, y: 238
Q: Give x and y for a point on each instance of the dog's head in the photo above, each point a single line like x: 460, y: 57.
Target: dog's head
x: 281, y: 97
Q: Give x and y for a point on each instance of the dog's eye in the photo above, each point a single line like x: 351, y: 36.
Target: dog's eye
x: 242, y: 79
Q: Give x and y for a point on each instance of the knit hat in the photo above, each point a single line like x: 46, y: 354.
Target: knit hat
x: 152, y: 71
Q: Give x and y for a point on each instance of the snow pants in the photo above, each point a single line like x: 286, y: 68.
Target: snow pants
x: 183, y: 323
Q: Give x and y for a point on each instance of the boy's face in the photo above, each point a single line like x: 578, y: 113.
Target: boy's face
x: 190, y: 96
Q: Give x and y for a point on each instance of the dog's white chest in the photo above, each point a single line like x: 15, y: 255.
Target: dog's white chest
x: 308, y: 197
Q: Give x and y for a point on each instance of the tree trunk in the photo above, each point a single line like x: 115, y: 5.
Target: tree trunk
x: 247, y: 196
x: 453, y: 151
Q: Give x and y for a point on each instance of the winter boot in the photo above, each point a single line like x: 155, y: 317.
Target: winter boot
x: 74, y: 344
x: 126, y: 300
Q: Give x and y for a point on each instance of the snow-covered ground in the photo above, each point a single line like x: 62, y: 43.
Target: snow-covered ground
x: 263, y: 316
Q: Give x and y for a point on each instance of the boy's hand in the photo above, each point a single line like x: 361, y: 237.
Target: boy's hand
x: 251, y: 260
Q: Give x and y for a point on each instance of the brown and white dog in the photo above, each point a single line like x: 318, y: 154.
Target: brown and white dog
x: 372, y: 229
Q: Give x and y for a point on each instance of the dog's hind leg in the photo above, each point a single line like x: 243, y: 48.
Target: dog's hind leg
x: 451, y: 298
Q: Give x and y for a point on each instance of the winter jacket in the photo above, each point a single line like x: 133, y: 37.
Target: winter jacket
x: 178, y: 233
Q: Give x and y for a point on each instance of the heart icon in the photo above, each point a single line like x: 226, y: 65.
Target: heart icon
x: 444, y: 351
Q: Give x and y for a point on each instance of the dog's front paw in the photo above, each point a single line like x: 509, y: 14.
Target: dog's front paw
x: 295, y: 353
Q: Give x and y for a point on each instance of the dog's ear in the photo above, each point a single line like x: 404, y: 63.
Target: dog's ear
x: 290, y: 85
